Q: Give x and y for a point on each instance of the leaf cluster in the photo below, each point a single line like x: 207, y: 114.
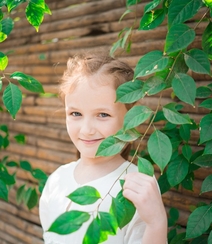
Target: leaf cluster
x: 26, y: 194
x: 168, y: 146
x: 12, y: 99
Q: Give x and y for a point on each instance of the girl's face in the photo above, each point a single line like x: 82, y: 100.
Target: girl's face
x: 92, y: 114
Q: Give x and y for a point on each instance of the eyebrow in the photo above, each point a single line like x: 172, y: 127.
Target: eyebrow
x: 97, y: 109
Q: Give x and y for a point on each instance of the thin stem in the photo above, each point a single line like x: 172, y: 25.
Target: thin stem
x: 201, y: 19
x: 136, y: 151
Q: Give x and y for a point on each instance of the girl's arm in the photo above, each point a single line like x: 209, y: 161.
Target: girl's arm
x: 143, y: 191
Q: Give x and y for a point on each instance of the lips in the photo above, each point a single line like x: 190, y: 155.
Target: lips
x: 91, y: 141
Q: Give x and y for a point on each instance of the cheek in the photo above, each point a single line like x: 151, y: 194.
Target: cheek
x: 69, y: 127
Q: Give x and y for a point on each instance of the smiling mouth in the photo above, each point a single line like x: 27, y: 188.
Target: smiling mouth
x: 91, y: 141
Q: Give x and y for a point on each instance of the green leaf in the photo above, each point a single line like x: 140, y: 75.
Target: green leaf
x: 20, y: 194
x: 32, y: 200
x: 38, y: 3
x: 26, y: 165
x: 4, y: 128
x: 197, y: 61
x: 176, y: 65
x: 7, y: 178
x: 128, y: 135
x: 145, y: 167
x: 179, y: 239
x: 174, y: 214
x: 207, y: 184
x: 3, y: 191
x: 150, y: 6
x: 206, y: 104
x: 177, y: 170
x: 199, y: 221
x: 84, y: 195
x: 136, y: 116
x: 181, y: 10
x: 12, y: 99
x: 187, y: 183
x: 122, y: 209
x: 92, y: 235
x: 152, y: 19
x: 210, y: 237
x: 20, y: 138
x: 47, y: 10
x: 178, y: 38
x: 34, y: 15
x: 187, y: 152
x: 150, y: 63
x: 125, y: 13
x: 7, y: 26
x: 3, y: 3
x: 125, y: 37
x: 6, y: 142
x: 206, y: 128
x: 203, y: 239
x: 159, y: 116
x: 108, y: 222
x: 130, y: 91
x: 110, y: 146
x: 28, y: 82
x: 3, y: 61
x: 203, y: 92
x: 208, y: 147
x: 132, y: 2
x: 208, y: 3
x: 12, y: 4
x: 159, y: 148
x: 184, y: 87
x: 121, y: 181
x: 3, y: 36
x: 69, y: 222
x: 163, y: 183
x: 39, y: 174
x: 204, y: 160
x: 185, y: 132
x: 153, y: 85
x: 207, y: 40
x: 173, y: 116
x: 27, y: 194
x: 115, y: 46
x: 12, y: 164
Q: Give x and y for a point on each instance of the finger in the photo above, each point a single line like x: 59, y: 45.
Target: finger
x: 138, y: 177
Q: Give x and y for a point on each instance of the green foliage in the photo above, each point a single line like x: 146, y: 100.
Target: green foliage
x: 168, y: 147
x: 84, y: 195
x: 69, y: 222
x: 26, y: 194
x: 12, y: 99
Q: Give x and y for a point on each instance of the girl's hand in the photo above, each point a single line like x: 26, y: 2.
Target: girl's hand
x: 143, y: 191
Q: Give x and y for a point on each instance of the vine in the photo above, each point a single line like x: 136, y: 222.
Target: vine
x: 168, y: 147
x: 12, y: 100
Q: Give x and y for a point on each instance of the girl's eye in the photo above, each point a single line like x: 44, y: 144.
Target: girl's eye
x: 103, y: 115
x: 75, y: 114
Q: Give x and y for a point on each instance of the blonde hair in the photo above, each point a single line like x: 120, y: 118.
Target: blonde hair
x: 91, y: 64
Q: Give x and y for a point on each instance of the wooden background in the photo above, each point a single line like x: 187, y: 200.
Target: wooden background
x: 73, y: 27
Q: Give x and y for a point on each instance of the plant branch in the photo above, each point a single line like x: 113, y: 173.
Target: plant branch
x: 136, y: 151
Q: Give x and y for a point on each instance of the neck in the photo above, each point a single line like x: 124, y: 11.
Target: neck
x: 90, y: 169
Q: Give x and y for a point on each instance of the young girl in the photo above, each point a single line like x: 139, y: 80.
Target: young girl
x: 88, y: 90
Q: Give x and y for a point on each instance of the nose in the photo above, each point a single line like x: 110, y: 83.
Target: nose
x: 87, y: 127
